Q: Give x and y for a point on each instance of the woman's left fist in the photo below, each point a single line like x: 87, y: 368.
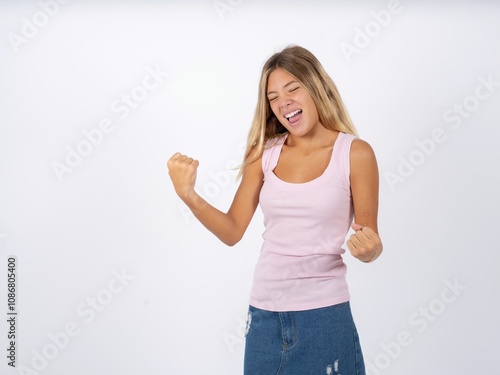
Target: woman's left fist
x: 365, y: 244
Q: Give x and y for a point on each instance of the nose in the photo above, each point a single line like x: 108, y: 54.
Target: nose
x: 284, y: 102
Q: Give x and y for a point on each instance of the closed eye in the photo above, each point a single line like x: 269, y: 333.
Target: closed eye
x: 273, y: 98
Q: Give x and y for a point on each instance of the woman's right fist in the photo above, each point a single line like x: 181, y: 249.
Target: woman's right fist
x: 182, y: 171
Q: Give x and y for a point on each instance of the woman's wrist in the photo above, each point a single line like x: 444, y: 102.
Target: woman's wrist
x: 193, y: 200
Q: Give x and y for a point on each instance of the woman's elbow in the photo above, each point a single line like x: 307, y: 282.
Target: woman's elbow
x: 232, y: 240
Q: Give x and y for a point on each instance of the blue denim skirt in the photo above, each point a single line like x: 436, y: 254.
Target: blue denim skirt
x: 312, y: 342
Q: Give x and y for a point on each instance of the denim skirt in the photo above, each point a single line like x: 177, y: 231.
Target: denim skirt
x: 312, y: 342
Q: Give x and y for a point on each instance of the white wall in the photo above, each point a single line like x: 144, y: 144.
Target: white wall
x: 180, y: 303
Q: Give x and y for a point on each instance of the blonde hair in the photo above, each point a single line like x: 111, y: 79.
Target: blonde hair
x: 307, y: 69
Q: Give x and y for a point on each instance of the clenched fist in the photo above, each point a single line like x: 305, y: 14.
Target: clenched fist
x: 365, y: 244
x: 182, y: 171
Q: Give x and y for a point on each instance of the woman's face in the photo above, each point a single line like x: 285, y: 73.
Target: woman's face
x: 291, y: 103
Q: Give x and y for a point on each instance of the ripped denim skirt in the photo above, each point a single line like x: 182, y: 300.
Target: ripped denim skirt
x: 311, y: 342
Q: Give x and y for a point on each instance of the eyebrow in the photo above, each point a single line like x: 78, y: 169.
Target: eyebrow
x: 288, y: 84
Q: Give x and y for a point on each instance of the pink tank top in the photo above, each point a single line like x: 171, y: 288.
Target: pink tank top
x: 300, y: 266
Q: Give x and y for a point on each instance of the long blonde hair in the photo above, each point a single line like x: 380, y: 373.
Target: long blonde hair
x: 307, y: 69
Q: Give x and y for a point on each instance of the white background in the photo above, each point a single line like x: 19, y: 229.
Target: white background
x: 184, y: 307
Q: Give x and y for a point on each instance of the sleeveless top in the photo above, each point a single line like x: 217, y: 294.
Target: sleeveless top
x: 300, y: 266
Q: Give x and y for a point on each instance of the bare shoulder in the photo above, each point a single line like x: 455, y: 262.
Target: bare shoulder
x: 362, y: 158
x: 253, y: 164
x: 361, y: 149
x: 361, y: 154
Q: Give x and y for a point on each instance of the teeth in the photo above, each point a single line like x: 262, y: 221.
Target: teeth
x: 293, y: 113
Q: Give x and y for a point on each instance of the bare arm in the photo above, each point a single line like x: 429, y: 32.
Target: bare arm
x: 228, y: 227
x: 365, y: 244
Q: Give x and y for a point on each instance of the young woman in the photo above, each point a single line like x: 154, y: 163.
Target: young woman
x: 310, y: 173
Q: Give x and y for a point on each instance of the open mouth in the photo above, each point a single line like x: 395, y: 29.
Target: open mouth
x: 294, y: 116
